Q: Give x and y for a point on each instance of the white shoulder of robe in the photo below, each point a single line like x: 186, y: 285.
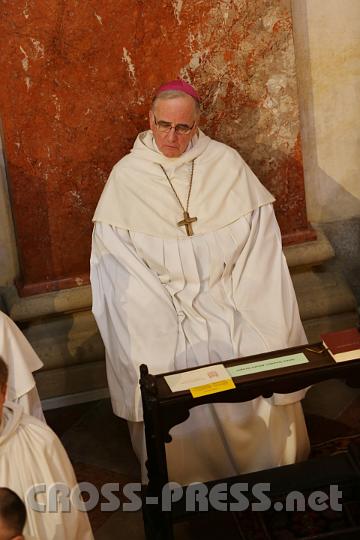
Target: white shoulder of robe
x: 19, y: 356
x: 32, y: 454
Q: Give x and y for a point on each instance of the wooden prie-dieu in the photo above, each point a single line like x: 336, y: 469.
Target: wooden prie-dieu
x: 164, y: 409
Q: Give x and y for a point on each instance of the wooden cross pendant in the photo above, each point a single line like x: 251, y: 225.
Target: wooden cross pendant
x: 187, y: 221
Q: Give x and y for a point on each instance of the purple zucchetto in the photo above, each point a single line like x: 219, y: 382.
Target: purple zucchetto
x: 180, y: 86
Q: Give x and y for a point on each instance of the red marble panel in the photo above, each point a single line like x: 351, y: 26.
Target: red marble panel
x: 77, y: 78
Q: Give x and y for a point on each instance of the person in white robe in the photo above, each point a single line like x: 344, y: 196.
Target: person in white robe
x: 31, y: 454
x: 176, y: 295
x: 22, y: 361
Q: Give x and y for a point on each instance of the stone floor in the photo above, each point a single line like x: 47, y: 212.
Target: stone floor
x: 99, y: 446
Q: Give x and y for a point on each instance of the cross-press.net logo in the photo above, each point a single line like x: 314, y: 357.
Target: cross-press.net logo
x: 198, y: 497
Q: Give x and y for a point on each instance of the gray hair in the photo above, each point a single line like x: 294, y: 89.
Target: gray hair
x: 172, y: 94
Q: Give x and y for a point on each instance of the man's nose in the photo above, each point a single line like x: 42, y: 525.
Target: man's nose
x: 172, y: 134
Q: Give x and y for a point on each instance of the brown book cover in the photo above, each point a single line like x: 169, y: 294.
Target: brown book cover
x: 343, y: 345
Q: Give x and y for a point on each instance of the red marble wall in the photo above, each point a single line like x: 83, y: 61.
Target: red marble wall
x: 77, y: 78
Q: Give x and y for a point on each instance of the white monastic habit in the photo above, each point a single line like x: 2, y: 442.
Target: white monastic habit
x: 30, y: 454
x: 22, y: 361
x: 174, y: 301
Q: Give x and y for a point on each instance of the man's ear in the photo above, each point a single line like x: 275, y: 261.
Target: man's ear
x: 151, y: 120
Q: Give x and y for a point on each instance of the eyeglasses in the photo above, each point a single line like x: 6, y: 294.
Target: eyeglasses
x: 165, y: 127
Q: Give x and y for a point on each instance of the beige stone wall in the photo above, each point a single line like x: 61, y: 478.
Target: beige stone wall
x: 327, y: 48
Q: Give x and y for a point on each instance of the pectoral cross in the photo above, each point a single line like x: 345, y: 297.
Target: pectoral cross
x: 187, y: 221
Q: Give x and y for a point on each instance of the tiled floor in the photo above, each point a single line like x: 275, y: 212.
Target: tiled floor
x: 99, y: 446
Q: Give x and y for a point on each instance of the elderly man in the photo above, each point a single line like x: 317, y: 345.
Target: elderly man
x: 31, y: 454
x: 186, y: 269
x: 22, y: 361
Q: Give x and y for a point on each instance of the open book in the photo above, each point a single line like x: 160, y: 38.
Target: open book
x: 343, y: 345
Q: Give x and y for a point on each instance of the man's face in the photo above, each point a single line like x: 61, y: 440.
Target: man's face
x: 175, y: 111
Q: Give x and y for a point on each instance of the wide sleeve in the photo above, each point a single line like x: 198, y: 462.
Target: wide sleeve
x: 263, y: 291
x: 135, y: 316
x: 20, y: 358
x: 31, y: 456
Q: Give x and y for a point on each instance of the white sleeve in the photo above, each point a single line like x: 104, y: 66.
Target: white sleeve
x: 264, y: 293
x: 262, y: 286
x: 32, y: 455
x: 135, y: 316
